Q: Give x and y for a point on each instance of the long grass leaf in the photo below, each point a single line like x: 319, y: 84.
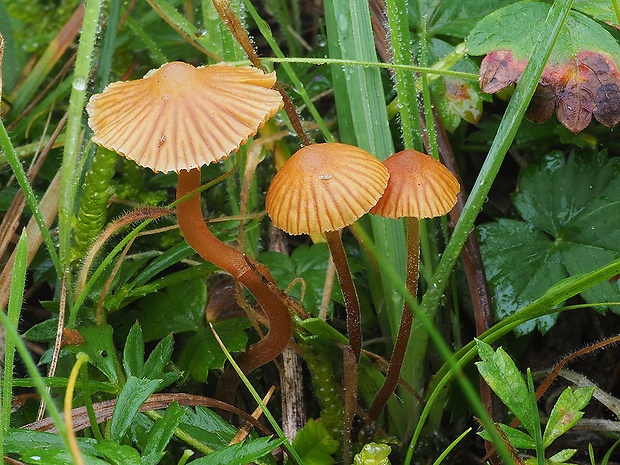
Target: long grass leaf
x: 31, y: 200
x: 18, y: 283
x: 71, y: 154
x: 13, y: 338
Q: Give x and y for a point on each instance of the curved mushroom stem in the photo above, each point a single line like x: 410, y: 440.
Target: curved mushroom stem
x: 351, y: 302
x: 402, y: 340
x: 201, y: 239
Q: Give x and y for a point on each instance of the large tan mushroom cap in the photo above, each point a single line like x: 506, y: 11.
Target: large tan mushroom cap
x: 180, y: 117
x: 419, y: 187
x: 325, y: 187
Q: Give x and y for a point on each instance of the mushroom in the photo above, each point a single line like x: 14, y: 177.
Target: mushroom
x: 323, y: 188
x: 179, y: 118
x: 419, y: 187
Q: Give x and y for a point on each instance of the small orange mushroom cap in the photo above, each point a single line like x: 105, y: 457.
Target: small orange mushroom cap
x: 179, y: 117
x: 325, y: 187
x: 419, y: 187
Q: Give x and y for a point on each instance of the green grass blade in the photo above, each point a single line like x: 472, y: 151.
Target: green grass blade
x: 71, y: 155
x: 31, y: 200
x: 18, y: 283
x: 155, y: 53
x: 257, y: 398
x: 400, y: 39
x: 13, y: 338
x: 25, y: 92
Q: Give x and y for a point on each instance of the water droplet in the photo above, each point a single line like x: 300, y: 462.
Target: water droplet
x: 325, y: 177
x: 79, y: 83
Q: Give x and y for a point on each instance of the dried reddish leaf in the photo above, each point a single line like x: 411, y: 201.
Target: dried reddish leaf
x: 581, y: 79
x: 498, y: 70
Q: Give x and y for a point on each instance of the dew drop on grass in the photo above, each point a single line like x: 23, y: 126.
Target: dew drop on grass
x: 79, y: 84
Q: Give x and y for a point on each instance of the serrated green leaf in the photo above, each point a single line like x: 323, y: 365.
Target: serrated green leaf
x: 161, y: 433
x: 504, y: 378
x: 133, y: 354
x: 129, y: 401
x: 566, y: 412
x: 314, y: 444
x: 22, y: 440
x: 55, y: 457
x: 202, y: 353
x: 159, y: 357
x: 519, y: 439
x: 118, y: 454
x: 373, y: 454
x: 207, y: 427
x: 100, y: 348
x: 241, y: 454
x: 569, y: 207
x: 507, y: 242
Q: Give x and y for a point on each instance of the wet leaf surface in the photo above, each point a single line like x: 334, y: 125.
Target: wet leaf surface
x: 457, y: 99
x: 570, y: 226
x: 581, y: 79
x: 451, y: 17
x: 601, y: 10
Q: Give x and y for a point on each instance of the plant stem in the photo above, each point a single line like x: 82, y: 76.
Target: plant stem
x: 404, y: 331
x: 71, y: 155
x: 200, y: 238
x: 351, y: 302
x: 82, y: 358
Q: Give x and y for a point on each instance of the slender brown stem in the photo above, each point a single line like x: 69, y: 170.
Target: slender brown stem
x: 350, y: 397
x: 402, y: 340
x: 201, y: 239
x: 351, y: 302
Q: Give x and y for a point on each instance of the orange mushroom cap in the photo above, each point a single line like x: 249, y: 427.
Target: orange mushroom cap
x: 179, y: 117
x: 419, y: 187
x: 325, y: 187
